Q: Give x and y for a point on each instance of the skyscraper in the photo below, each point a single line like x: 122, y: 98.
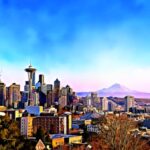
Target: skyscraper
x: 26, y: 86
x: 63, y: 98
x: 129, y: 102
x: 69, y: 95
x: 30, y: 70
x: 104, y: 104
x: 56, y: 90
x: 41, y: 79
x: 49, y: 98
x: 13, y: 95
x: 2, y: 94
x: 88, y: 101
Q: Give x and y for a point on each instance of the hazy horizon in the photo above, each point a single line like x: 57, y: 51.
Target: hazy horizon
x: 86, y: 44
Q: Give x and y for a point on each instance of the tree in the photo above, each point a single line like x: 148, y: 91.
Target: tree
x: 115, y: 133
x: 40, y: 134
x: 9, y: 134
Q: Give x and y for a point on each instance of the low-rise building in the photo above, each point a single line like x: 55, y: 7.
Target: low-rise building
x: 26, y: 126
x: 51, y: 124
x: 93, y: 128
x: 61, y: 139
x: 13, y: 113
x: 34, y: 110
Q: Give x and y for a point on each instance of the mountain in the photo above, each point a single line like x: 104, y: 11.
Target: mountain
x: 117, y: 90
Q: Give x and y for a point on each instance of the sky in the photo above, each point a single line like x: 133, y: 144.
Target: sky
x: 88, y: 44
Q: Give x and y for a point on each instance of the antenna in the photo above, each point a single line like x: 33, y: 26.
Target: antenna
x: 30, y: 63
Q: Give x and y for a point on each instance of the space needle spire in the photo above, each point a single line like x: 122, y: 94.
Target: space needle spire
x: 30, y: 70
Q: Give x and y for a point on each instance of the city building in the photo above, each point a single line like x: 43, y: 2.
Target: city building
x: 49, y: 98
x: 51, y: 124
x: 34, y: 110
x: 41, y: 79
x: 26, y: 86
x: 129, y: 102
x: 57, y: 140
x: 50, y: 111
x: 104, y: 104
x: 42, y: 98
x: 26, y: 126
x: 93, y: 128
x: 13, y: 95
x: 69, y: 95
x: 111, y: 105
x: 95, y: 100
x: 2, y: 94
x: 61, y: 139
x: 56, y: 90
x: 147, y: 108
x: 24, y: 98
x: 88, y: 101
x: 63, y: 98
x: 35, y: 97
x: 13, y: 113
x: 68, y: 116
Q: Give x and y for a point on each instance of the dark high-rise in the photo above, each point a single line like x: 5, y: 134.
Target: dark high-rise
x: 69, y: 95
x: 56, y: 90
x: 41, y: 79
x: 2, y: 94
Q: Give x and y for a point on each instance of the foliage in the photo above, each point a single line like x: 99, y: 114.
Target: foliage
x: 115, y: 134
x: 9, y: 134
x: 40, y: 134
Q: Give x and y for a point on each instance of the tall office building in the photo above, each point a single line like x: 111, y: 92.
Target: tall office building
x: 2, y: 94
x: 35, y: 97
x: 56, y: 90
x: 69, y: 95
x: 104, y: 104
x: 63, y: 98
x: 95, y: 100
x: 41, y: 79
x: 26, y: 86
x: 13, y: 95
x: 56, y: 84
x: 49, y: 98
x: 88, y: 101
x: 33, y: 79
x: 129, y: 102
x: 30, y: 70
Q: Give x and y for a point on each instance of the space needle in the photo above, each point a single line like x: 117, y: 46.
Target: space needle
x: 30, y: 70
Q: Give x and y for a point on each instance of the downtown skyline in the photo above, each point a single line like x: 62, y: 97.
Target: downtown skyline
x: 86, y: 44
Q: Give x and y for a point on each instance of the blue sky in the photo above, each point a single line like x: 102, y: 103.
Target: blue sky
x: 88, y: 44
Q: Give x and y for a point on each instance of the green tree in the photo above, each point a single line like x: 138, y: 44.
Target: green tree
x: 40, y: 134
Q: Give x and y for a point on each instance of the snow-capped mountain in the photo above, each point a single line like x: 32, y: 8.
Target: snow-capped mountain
x: 117, y: 90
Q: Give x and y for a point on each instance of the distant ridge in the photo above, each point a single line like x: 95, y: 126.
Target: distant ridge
x: 117, y: 90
